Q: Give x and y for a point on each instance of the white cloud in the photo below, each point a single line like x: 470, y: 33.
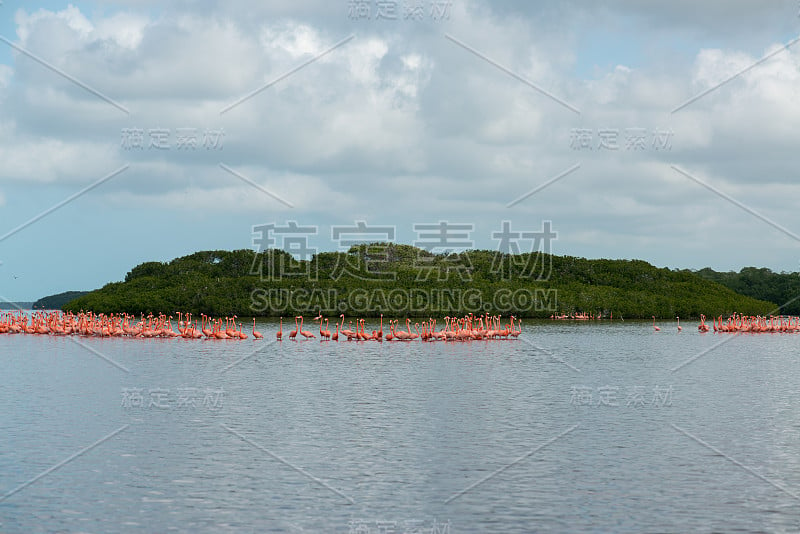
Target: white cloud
x: 124, y: 29
x: 6, y: 73
x: 55, y: 160
x: 401, y: 122
x: 70, y: 17
x: 294, y: 38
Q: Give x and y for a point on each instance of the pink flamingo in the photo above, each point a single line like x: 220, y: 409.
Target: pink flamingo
x: 305, y: 333
x: 325, y: 333
x: 335, y: 336
x: 349, y: 333
x: 256, y: 334
x: 390, y: 335
x: 516, y: 333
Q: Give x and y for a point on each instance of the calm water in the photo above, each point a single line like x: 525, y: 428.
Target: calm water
x: 579, y: 427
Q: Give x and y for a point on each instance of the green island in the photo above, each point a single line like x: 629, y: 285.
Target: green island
x: 401, y: 280
x: 782, y: 289
x: 56, y: 302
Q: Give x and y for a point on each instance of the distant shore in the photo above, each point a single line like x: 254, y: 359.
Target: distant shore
x: 16, y: 305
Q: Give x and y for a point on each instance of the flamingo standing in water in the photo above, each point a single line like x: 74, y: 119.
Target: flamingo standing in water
x: 360, y: 335
x: 349, y: 333
x: 398, y: 333
x: 319, y: 318
x: 335, y: 336
x: 208, y: 332
x: 679, y: 324
x: 411, y: 335
x: 515, y: 333
x: 293, y: 333
x: 218, y: 333
x: 259, y: 335
x: 657, y: 329
x: 305, y: 333
x: 390, y: 335
x: 195, y: 333
x: 324, y: 333
x: 279, y: 333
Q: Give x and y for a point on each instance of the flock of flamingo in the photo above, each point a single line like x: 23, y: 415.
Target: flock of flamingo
x: 753, y: 324
x: 580, y: 316
x: 160, y: 326
x: 466, y: 328
x: 117, y: 325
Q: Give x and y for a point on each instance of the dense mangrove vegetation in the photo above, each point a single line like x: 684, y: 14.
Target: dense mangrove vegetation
x: 402, y: 280
x: 56, y: 302
x: 782, y: 289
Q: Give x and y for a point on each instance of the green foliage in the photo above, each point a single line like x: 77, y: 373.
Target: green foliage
x: 781, y: 289
x: 401, y: 280
x: 55, y: 302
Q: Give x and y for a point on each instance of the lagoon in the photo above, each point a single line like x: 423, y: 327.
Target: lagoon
x: 579, y: 427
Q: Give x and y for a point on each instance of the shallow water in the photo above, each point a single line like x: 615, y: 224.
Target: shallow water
x: 573, y: 427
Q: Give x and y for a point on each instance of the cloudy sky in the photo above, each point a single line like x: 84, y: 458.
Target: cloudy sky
x: 158, y: 131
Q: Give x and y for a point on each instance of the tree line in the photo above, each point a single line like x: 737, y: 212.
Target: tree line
x: 56, y: 302
x: 781, y: 289
x: 401, y: 280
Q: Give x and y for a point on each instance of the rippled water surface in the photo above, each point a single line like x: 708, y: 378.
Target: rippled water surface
x: 576, y: 427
